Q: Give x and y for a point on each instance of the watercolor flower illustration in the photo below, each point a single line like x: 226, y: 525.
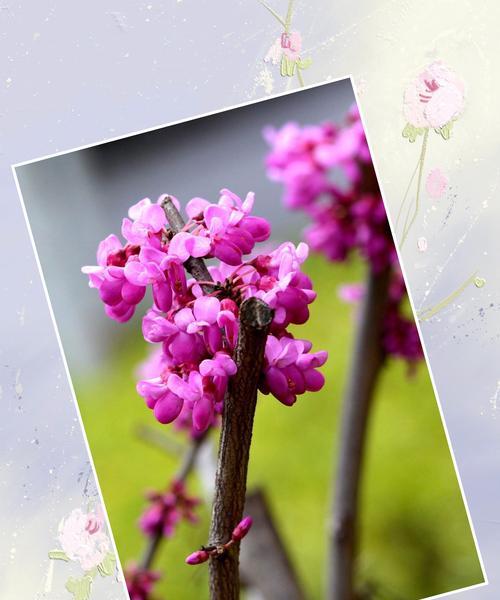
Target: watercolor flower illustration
x: 435, y: 98
x: 433, y: 101
x: 83, y: 539
x: 287, y: 48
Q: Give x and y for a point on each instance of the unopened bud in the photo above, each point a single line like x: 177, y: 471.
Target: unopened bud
x: 240, y: 531
x: 230, y: 305
x: 198, y: 557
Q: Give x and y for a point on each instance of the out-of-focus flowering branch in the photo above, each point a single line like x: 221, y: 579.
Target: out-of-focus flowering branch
x: 326, y: 171
x: 159, y: 520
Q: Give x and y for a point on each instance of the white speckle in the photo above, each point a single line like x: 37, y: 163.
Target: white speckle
x: 265, y: 79
x: 21, y: 314
x: 8, y: 82
x: 120, y: 20
x: 495, y: 398
x: 18, y: 386
x: 422, y: 244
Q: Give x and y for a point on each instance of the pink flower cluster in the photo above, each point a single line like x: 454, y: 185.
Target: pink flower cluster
x: 198, y: 331
x: 167, y: 509
x: 239, y: 532
x: 327, y: 172
x: 140, y: 582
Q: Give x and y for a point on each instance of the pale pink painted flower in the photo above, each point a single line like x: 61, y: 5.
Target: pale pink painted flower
x: 274, y: 53
x: 288, y: 44
x: 434, y: 98
x: 83, y: 539
x: 436, y: 183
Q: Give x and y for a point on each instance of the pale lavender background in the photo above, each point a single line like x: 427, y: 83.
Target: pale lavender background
x: 76, y: 73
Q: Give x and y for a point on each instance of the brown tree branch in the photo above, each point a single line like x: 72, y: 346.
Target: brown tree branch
x: 367, y: 361
x: 234, y: 450
x: 237, y: 421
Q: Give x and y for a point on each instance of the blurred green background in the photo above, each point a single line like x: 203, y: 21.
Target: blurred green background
x: 415, y: 536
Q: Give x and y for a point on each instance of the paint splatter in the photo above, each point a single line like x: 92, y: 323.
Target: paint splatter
x: 422, y: 244
x: 436, y: 183
x: 266, y: 80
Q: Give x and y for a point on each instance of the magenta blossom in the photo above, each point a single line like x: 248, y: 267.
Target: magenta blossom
x: 290, y: 369
x: 119, y: 295
x: 146, y: 221
x: 229, y: 230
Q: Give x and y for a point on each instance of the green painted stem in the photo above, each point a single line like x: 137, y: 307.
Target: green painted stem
x: 408, y: 224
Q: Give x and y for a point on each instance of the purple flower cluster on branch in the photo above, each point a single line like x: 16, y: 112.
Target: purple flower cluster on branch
x: 140, y: 582
x: 347, y: 212
x: 327, y: 172
x: 167, y: 509
x: 196, y: 322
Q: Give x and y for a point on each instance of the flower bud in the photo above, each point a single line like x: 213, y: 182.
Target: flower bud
x: 243, y: 527
x: 230, y: 305
x: 198, y: 557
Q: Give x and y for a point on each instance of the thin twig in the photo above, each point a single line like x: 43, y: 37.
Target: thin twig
x: 195, y: 266
x: 234, y: 450
x: 365, y: 368
x: 187, y: 465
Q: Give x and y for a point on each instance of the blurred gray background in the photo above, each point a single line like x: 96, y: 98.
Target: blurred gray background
x: 75, y: 200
